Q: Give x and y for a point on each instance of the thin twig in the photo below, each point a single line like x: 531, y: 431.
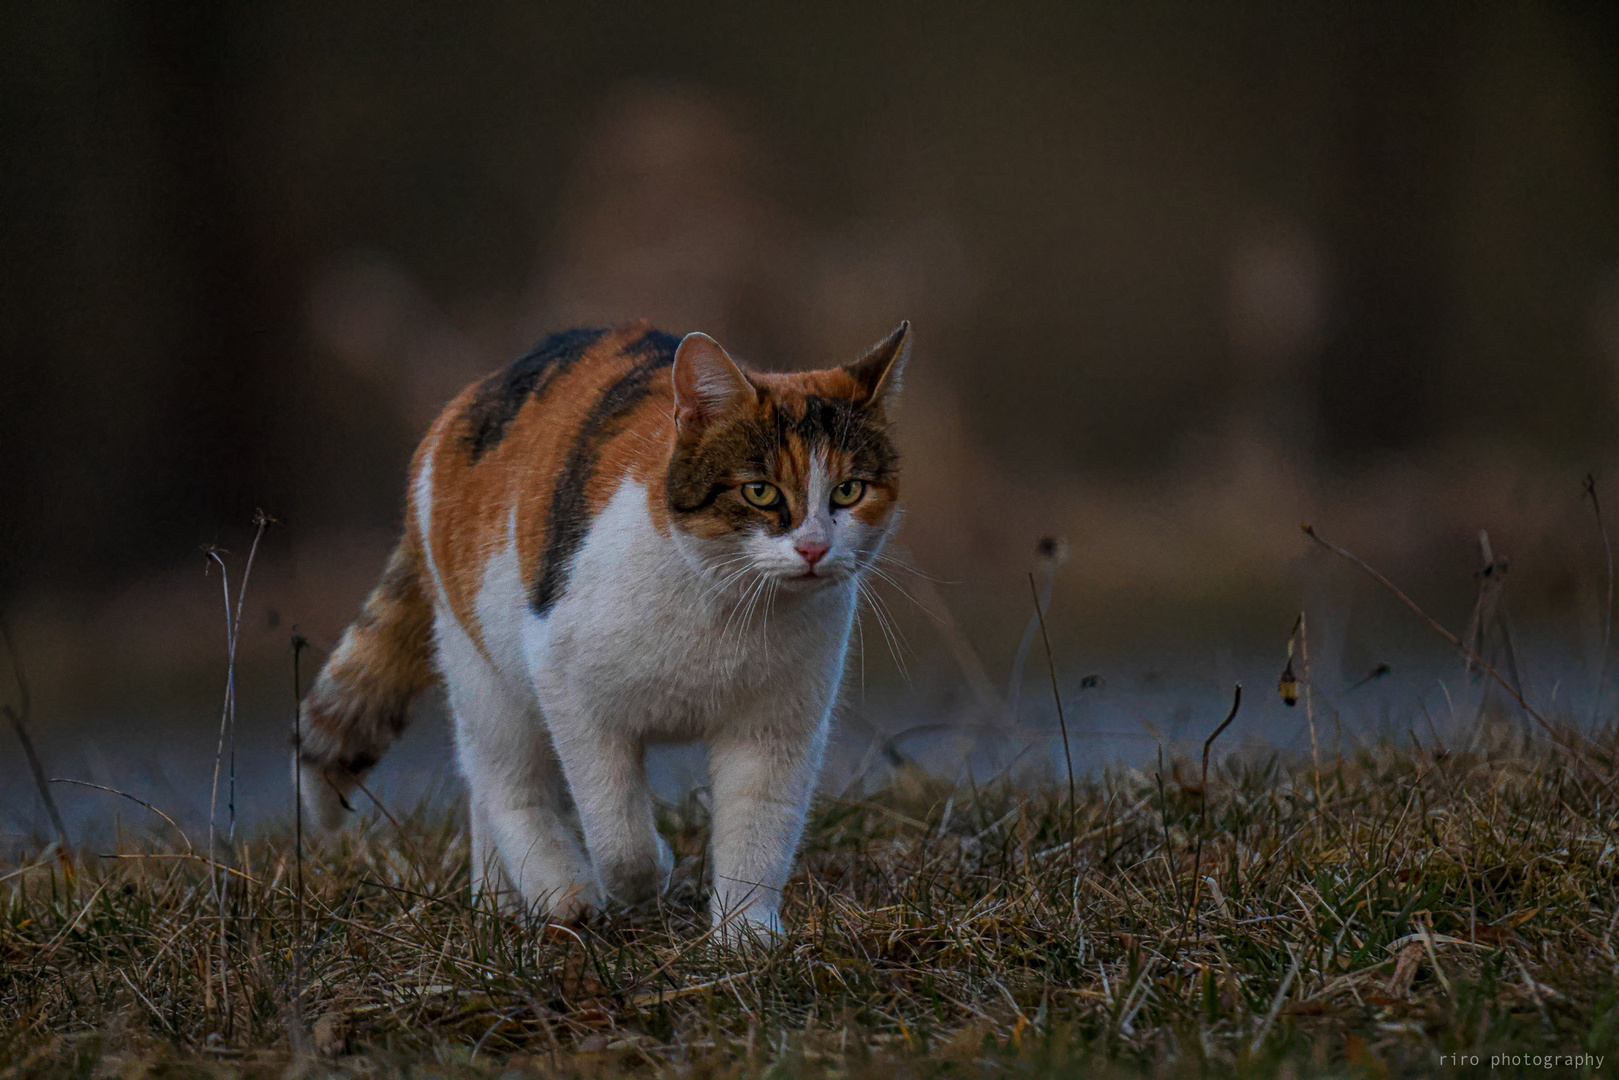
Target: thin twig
x: 1607, y: 612
x: 19, y: 723
x: 21, y: 870
x: 1062, y: 722
x: 1309, y: 704
x: 1433, y: 623
x: 1049, y: 554
x: 131, y: 798
x: 38, y: 771
x: 261, y: 521
x: 1490, y: 610
x: 297, y: 1032
x: 227, y: 727
x: 1203, y: 811
x: 1236, y: 703
x: 215, y: 880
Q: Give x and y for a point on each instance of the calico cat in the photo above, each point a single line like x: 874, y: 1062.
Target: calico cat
x: 623, y: 537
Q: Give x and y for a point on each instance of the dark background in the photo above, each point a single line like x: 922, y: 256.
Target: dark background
x: 1182, y: 276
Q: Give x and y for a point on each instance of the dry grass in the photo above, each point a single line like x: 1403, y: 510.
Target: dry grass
x: 1421, y: 904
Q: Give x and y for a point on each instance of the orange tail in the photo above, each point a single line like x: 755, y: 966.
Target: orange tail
x: 360, y: 702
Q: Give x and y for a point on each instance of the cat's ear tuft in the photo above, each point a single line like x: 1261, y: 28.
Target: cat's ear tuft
x: 708, y: 383
x: 878, y: 372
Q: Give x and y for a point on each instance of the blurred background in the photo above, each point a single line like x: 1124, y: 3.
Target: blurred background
x: 1182, y: 276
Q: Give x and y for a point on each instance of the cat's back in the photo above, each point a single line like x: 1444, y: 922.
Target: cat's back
x: 518, y: 465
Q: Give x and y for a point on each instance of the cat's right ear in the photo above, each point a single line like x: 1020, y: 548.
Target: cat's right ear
x: 877, y: 373
x: 708, y: 383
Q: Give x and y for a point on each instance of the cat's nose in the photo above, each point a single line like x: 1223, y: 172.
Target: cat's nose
x: 810, y: 550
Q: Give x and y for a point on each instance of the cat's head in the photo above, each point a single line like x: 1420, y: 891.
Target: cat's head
x: 789, y: 477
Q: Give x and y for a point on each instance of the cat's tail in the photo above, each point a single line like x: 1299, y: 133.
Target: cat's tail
x: 360, y: 701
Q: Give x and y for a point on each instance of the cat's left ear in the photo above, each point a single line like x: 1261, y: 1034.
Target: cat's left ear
x: 878, y: 372
x: 708, y: 383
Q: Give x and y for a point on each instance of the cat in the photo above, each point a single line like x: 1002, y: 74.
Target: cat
x: 623, y: 537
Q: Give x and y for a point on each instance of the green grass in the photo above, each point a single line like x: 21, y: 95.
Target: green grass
x: 1407, y: 903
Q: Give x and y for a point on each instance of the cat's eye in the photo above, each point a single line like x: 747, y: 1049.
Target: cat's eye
x: 761, y: 494
x: 848, y: 493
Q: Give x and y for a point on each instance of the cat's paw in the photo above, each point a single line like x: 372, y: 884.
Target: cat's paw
x: 638, y: 882
x: 569, y: 906
x: 325, y: 793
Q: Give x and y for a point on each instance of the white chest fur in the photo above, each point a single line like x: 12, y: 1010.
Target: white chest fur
x: 660, y: 647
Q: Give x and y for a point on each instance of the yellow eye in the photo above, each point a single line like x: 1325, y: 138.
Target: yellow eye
x: 761, y: 494
x: 848, y: 493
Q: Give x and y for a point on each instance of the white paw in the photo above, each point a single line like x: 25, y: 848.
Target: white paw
x: 324, y: 805
x: 639, y: 880
x: 570, y: 905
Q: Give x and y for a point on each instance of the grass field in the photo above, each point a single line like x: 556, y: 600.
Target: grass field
x: 1373, y: 918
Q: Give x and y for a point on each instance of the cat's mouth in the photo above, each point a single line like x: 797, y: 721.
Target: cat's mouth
x: 810, y: 577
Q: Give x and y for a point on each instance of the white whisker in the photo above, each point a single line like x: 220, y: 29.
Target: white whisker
x: 860, y: 636
x: 897, y: 588
x: 764, y: 620
x: 890, y: 631
x: 721, y: 585
x: 901, y: 564
x: 744, y: 607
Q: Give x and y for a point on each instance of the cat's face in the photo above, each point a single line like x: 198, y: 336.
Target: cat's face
x: 790, y: 479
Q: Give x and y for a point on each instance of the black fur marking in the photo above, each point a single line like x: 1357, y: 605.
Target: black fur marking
x: 836, y: 422
x: 354, y: 764
x: 359, y: 763
x: 699, y: 476
x: 654, y: 347
x: 714, y: 492
x: 503, y: 394
x: 570, y: 504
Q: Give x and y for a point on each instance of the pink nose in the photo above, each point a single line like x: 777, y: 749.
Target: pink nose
x: 811, y: 551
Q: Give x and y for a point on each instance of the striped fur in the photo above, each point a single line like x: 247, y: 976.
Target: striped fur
x: 584, y: 566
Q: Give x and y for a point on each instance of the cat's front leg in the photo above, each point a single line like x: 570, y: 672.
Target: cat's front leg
x: 762, y: 779
x: 606, y: 772
x: 524, y: 850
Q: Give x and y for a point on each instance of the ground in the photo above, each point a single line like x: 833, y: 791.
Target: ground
x: 1391, y: 913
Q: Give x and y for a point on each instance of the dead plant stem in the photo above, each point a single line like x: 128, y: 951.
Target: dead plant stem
x: 19, y: 718
x: 1062, y: 721
x: 1439, y: 629
x: 1607, y: 610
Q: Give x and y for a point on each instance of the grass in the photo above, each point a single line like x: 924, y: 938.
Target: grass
x: 1422, y: 904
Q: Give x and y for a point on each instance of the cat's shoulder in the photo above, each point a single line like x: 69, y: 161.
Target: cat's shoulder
x: 571, y: 378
